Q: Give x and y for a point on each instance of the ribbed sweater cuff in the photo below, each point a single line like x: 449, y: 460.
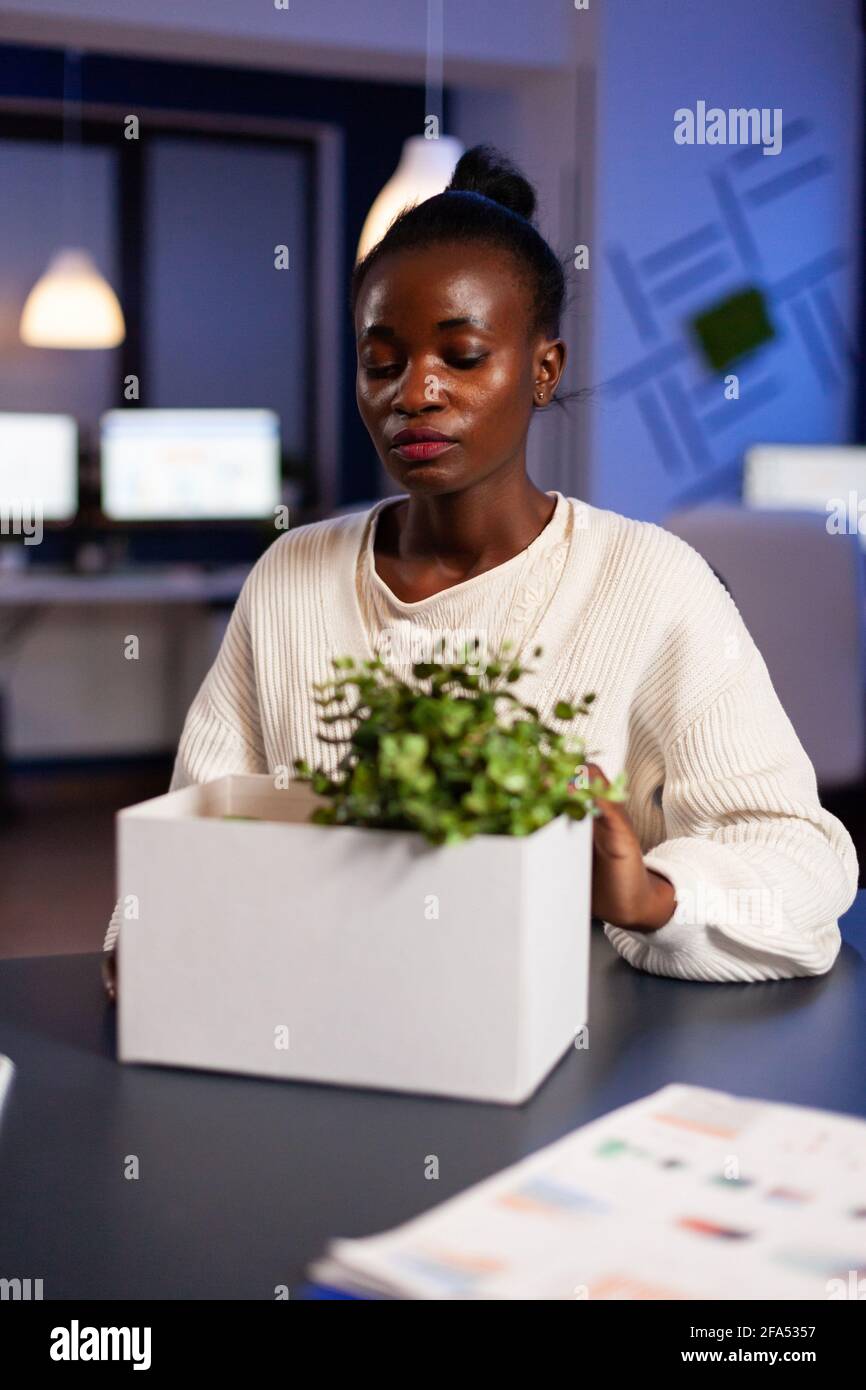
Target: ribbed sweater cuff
x: 721, y: 929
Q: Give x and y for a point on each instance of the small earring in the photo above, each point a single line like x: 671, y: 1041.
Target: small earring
x: 540, y: 396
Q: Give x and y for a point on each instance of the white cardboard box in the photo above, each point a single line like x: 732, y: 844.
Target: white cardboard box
x: 381, y: 960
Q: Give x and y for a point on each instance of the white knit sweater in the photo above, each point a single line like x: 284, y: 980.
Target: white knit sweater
x: 721, y: 792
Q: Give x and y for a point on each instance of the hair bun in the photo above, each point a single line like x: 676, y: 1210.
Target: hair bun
x: 484, y: 169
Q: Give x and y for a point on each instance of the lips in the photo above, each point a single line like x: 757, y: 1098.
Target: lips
x: 420, y: 444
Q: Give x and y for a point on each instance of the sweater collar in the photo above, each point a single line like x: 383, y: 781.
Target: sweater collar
x: 347, y: 632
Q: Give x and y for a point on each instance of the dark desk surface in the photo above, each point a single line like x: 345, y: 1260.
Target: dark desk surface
x: 243, y: 1181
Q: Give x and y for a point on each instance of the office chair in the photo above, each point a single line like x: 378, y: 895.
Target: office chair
x: 800, y: 591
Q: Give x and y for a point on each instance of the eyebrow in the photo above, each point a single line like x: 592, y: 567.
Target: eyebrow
x: 383, y: 330
x: 459, y: 322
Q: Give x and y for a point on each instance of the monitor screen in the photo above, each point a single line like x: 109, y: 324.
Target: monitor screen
x: 805, y: 477
x: 190, y: 465
x: 39, y: 465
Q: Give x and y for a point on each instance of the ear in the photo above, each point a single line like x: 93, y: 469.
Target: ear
x: 548, y: 366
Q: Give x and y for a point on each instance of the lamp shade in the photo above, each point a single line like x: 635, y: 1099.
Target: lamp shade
x: 425, y: 169
x: 72, y: 306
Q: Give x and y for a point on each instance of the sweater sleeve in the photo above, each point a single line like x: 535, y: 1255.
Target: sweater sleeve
x: 222, y: 730
x: 760, y: 870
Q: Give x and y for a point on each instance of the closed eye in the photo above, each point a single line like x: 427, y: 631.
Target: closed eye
x: 465, y: 363
x: 382, y: 371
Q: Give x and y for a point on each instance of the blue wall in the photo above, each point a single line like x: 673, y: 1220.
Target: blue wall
x: 679, y: 227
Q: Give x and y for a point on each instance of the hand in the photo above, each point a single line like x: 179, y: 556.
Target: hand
x: 625, y: 892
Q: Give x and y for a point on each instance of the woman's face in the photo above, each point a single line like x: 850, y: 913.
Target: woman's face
x: 443, y: 347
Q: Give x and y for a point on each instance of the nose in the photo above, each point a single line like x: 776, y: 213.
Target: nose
x: 418, y: 390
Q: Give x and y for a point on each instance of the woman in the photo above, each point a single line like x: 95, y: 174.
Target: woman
x: 723, y: 865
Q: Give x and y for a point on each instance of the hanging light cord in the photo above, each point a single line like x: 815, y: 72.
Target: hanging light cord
x: 433, y: 62
x: 71, y: 147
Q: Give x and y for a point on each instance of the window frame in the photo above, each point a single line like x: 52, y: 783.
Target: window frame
x: 321, y: 144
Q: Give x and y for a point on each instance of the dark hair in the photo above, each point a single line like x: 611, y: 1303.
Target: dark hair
x: 489, y: 202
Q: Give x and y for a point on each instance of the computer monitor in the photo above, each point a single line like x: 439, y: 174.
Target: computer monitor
x: 189, y: 465
x: 38, y: 465
x: 803, y: 477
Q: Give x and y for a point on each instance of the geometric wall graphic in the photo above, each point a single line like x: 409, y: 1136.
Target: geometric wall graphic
x: 753, y: 202
x: 732, y: 328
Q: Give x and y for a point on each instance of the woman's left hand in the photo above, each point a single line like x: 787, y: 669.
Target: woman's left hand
x: 625, y: 892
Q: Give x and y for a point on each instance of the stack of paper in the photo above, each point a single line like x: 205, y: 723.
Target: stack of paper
x: 688, y: 1193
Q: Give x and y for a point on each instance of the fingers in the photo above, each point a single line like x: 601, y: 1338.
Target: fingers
x: 613, y: 832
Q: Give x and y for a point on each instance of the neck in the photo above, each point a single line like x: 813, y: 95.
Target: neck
x: 483, y: 525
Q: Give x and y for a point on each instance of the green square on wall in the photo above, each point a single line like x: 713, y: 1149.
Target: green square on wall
x: 733, y: 327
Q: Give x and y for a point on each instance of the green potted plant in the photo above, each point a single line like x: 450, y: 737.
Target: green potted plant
x: 451, y: 755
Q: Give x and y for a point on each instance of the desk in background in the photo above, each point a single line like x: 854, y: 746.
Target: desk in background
x: 198, y: 601
x: 38, y: 588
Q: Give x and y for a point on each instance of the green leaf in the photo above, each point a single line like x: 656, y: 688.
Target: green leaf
x: 401, y: 755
